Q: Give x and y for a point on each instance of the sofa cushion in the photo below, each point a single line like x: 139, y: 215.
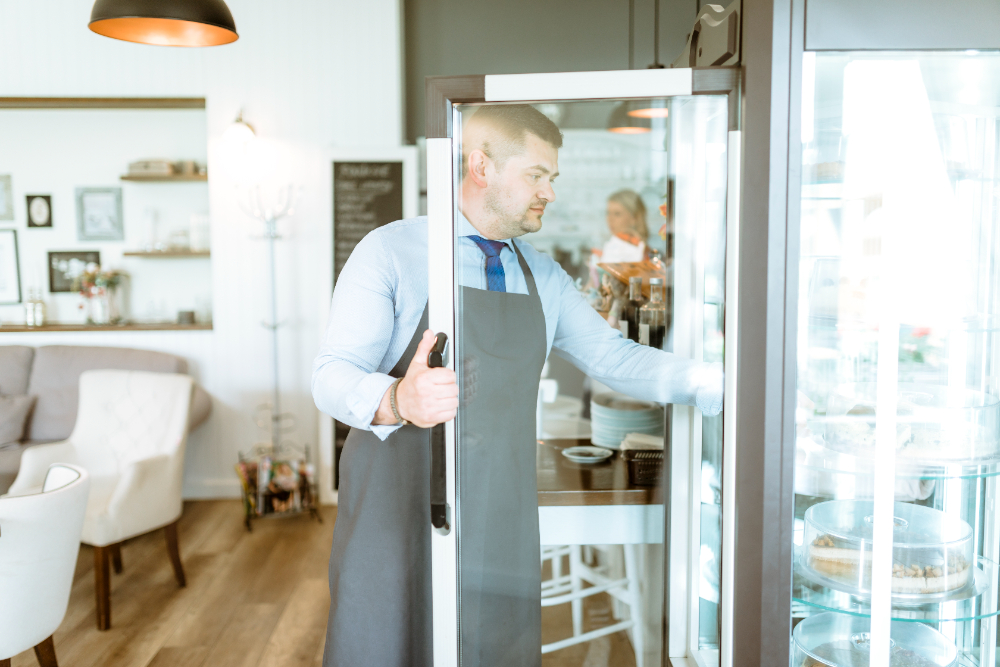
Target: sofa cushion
x: 14, y: 412
x: 15, y: 367
x: 55, y: 379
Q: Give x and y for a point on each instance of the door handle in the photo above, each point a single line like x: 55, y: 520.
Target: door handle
x: 439, y: 504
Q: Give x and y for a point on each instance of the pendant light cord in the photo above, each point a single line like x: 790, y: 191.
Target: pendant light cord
x: 631, y: 34
x: 656, y: 35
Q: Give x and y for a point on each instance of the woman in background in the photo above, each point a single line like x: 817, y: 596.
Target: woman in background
x: 626, y: 216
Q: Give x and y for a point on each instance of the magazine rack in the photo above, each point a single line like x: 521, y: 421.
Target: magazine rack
x: 277, y: 482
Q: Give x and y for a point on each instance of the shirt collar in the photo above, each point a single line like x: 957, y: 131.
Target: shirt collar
x: 465, y: 228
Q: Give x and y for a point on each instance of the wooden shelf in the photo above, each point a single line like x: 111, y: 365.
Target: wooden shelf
x: 102, y: 102
x: 176, y: 254
x: 173, y: 178
x: 130, y: 326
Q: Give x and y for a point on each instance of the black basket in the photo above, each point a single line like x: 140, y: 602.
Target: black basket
x: 645, y: 466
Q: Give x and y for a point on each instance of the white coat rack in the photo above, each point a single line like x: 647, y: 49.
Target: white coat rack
x: 252, y: 204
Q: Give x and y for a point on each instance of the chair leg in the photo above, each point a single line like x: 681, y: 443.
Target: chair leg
x: 175, y: 554
x: 102, y: 586
x: 116, y: 557
x: 576, y: 606
x: 45, y: 651
x: 635, y: 608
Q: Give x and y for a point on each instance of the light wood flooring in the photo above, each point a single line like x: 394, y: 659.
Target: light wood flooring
x: 252, y: 599
x: 256, y: 599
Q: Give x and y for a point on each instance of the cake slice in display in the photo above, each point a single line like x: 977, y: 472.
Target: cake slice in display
x: 932, y: 551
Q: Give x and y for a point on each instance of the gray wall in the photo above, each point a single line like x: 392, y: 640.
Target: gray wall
x: 447, y: 37
x: 894, y: 24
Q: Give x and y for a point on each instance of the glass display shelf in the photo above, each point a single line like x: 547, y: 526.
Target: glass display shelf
x: 982, y: 604
x: 831, y: 473
x: 931, y: 551
x: 836, y: 640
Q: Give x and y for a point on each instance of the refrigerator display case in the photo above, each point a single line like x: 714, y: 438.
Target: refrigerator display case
x: 897, y: 427
x: 636, y: 568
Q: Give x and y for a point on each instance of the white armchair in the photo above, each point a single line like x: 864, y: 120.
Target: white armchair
x: 130, y: 435
x: 39, y: 544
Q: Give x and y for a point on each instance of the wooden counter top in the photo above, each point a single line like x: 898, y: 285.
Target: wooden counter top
x: 562, y: 482
x: 136, y: 326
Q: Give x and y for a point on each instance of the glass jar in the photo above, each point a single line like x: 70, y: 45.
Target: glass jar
x: 653, y: 316
x: 629, y: 321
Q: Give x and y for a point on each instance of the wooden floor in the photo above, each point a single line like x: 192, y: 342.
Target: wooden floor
x: 252, y: 599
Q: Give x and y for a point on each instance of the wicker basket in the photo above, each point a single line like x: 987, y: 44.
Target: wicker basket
x: 645, y: 466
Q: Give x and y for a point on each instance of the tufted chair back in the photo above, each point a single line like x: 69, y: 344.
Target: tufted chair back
x: 125, y: 416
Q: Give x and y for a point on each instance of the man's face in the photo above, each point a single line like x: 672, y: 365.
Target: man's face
x: 516, y: 196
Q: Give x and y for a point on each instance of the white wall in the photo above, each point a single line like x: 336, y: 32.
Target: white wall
x: 310, y: 74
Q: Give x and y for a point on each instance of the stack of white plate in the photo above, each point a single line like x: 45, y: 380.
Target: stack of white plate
x: 614, y: 415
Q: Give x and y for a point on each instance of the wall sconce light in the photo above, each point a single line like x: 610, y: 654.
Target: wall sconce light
x: 240, y: 131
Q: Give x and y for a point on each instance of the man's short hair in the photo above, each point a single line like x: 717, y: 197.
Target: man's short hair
x: 510, y: 124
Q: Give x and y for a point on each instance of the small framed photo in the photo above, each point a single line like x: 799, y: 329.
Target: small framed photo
x: 99, y: 214
x: 39, y: 210
x: 65, y: 266
x: 6, y: 198
x: 10, y: 271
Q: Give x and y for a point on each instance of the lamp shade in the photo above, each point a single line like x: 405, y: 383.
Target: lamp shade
x: 165, y: 22
x: 622, y: 122
x: 650, y: 109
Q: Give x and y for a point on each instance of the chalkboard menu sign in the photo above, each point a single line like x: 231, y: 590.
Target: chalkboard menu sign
x: 366, y: 195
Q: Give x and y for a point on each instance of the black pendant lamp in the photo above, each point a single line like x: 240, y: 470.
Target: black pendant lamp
x: 165, y: 22
x: 633, y: 117
x: 622, y: 120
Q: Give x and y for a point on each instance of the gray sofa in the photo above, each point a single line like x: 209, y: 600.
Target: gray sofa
x: 51, y: 374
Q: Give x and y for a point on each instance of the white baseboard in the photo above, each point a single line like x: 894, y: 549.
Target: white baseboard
x: 208, y: 489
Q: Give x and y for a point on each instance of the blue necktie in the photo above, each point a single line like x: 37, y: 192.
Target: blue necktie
x: 496, y: 281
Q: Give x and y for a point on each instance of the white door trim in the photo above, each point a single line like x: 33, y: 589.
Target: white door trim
x: 441, y: 303
x: 588, y: 85
x: 729, y: 401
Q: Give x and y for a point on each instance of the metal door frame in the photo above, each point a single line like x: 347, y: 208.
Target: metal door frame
x: 442, y: 96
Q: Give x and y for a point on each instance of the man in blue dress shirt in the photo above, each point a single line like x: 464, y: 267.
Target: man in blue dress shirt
x: 518, y: 305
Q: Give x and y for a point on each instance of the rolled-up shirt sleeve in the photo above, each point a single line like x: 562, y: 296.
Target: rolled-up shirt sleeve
x: 346, y: 383
x: 583, y: 338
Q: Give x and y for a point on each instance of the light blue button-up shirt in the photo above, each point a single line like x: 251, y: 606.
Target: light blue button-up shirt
x: 381, y: 294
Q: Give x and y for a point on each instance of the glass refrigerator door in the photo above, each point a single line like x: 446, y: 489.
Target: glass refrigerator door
x: 898, y: 418
x: 575, y: 511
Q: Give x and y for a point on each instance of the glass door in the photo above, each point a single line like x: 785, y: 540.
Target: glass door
x: 578, y: 247
x: 898, y: 419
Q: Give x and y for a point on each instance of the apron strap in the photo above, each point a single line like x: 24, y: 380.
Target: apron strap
x: 528, y: 277
x: 399, y: 370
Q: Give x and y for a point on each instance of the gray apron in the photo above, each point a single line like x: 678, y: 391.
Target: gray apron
x: 380, y: 564
x: 503, y: 351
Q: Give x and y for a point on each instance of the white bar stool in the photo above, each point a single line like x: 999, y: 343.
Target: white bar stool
x: 568, y: 588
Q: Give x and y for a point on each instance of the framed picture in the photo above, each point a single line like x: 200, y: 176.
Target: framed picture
x: 99, y: 214
x: 6, y: 198
x: 65, y: 266
x: 10, y: 271
x: 39, y: 210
